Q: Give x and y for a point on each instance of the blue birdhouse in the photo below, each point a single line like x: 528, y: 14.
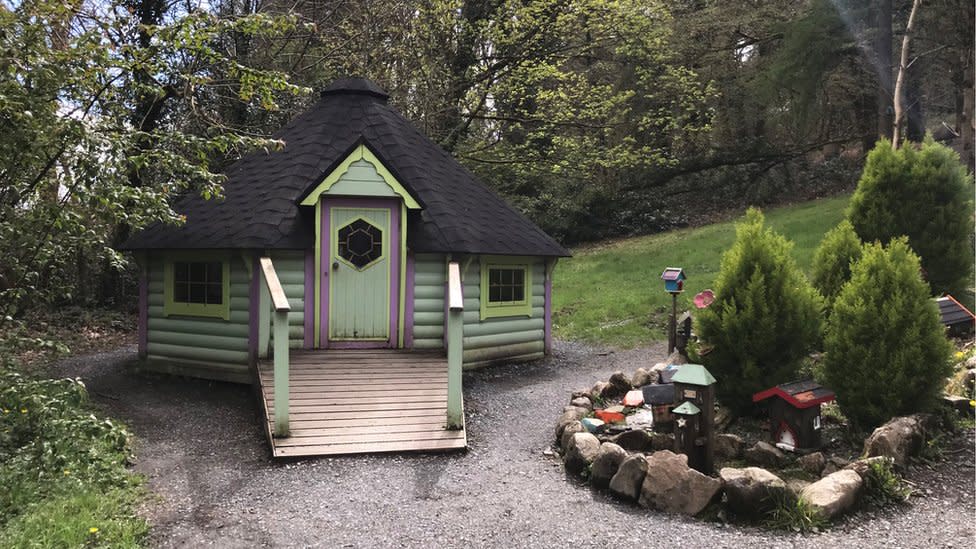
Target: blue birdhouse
x: 674, y: 279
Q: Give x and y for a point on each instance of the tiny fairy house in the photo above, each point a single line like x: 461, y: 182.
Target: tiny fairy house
x: 957, y: 319
x: 358, y: 221
x: 794, y: 413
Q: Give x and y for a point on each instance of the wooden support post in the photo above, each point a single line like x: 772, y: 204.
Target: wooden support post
x: 673, y: 324
x: 455, y: 347
x: 281, y: 389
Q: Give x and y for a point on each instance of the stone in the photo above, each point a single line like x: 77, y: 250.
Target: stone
x: 839, y: 461
x: 635, y: 440
x: 657, y: 369
x: 610, y: 417
x: 764, y: 453
x: 796, y: 486
x: 863, y: 466
x: 958, y: 403
x: 582, y: 402
x: 627, y: 482
x: 833, y: 494
x: 616, y: 408
x: 728, y: 446
x: 812, y: 463
x: 641, y: 419
x: 620, y: 383
x: 668, y: 373
x: 662, y: 441
x: 634, y: 398
x: 570, y: 415
x: 899, y: 439
x: 642, y: 377
x: 579, y: 393
x: 570, y: 430
x: 752, y: 491
x: 671, y: 486
x: 723, y: 417
x: 829, y: 469
x: 582, y: 450
x: 592, y: 424
x: 677, y: 357
x: 598, y: 390
x: 606, y: 464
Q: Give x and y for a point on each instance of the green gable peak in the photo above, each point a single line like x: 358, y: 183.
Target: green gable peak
x: 693, y: 374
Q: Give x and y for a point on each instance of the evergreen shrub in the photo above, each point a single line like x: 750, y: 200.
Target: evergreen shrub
x: 886, y: 350
x: 832, y: 261
x: 765, y: 317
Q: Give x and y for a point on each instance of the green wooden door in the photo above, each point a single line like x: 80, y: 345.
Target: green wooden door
x: 359, y: 281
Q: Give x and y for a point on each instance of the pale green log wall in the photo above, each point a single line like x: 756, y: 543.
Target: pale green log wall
x: 195, y: 346
x: 214, y: 348
x: 491, y: 340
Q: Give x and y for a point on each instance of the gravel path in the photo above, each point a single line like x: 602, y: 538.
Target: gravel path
x: 200, y: 445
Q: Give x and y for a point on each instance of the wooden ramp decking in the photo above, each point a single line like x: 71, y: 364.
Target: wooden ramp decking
x: 362, y: 401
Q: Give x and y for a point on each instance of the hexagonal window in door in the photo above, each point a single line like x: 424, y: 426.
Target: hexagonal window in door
x: 360, y: 243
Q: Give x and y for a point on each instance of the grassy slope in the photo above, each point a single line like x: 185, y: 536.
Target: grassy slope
x: 611, y: 293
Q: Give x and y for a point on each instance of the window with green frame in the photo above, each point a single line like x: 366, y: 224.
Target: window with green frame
x: 506, y: 289
x: 197, y: 286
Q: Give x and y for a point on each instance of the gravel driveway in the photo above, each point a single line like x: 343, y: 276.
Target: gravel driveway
x: 200, y: 445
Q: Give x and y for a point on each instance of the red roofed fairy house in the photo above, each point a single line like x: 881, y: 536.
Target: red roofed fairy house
x: 356, y: 234
x: 794, y: 413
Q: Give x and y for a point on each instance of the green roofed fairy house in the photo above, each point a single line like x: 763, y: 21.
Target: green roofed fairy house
x: 374, y: 253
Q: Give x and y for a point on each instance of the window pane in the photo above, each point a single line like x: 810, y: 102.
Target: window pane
x: 215, y: 293
x: 215, y: 271
x: 507, y: 275
x: 198, y: 272
x: 519, y: 277
x: 180, y: 292
x: 198, y: 293
x: 494, y: 276
x: 494, y: 294
x: 519, y: 293
x: 506, y: 293
x: 181, y: 271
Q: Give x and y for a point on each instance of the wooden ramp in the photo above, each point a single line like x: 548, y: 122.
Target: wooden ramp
x: 362, y: 401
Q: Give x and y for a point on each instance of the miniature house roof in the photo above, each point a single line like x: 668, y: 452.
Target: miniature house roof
x: 954, y: 313
x: 693, y: 374
x: 673, y: 273
x: 799, y: 394
x: 657, y: 395
x: 686, y: 409
x: 261, y: 207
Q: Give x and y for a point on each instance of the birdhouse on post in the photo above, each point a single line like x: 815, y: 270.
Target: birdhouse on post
x: 794, y: 413
x: 674, y: 284
x: 694, y: 388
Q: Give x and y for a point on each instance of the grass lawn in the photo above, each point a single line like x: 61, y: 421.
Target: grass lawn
x: 611, y: 293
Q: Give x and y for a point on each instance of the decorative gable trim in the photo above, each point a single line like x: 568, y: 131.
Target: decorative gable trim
x: 361, y: 152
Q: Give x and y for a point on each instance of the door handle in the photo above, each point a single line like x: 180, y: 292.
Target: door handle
x: 335, y: 265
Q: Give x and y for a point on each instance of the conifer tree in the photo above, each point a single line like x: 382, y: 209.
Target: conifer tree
x: 832, y: 261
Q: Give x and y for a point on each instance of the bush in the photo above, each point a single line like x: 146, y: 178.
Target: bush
x: 832, y: 261
x: 886, y: 350
x: 765, y: 318
x: 924, y: 194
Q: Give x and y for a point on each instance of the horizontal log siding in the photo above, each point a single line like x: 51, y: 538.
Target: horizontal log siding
x: 197, y: 346
x: 507, y: 338
x: 428, y: 301
x: 290, y: 266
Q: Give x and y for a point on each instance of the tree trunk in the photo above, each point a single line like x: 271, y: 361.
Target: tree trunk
x: 965, y: 105
x: 899, y: 98
x: 883, y: 49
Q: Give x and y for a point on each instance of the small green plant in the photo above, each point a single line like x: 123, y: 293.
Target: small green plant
x: 886, y: 353
x: 883, y: 486
x: 765, y: 318
x: 795, y: 514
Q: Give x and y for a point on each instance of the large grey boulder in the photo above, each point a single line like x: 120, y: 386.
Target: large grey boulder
x: 582, y: 402
x: 642, y: 377
x: 671, y: 486
x: 629, y: 478
x: 728, y: 446
x: 900, y: 438
x: 619, y: 383
x: 752, y: 491
x: 662, y: 441
x: 764, y: 453
x: 812, y: 463
x: 833, y: 494
x: 570, y: 430
x: 582, y: 450
x: 600, y: 390
x: 606, y: 464
x: 863, y: 466
x: 570, y: 414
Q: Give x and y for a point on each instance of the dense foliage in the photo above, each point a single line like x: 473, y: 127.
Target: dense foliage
x: 832, y: 261
x: 63, y: 470
x: 923, y: 193
x: 765, y: 317
x: 886, y: 350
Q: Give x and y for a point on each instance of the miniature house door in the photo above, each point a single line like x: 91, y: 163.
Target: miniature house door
x: 361, y: 269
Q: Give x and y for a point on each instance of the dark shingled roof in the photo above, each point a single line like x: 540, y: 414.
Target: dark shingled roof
x: 954, y: 313
x: 800, y: 394
x: 263, y: 190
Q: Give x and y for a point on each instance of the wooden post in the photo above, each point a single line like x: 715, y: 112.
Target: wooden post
x: 455, y: 347
x: 281, y: 389
x: 673, y: 324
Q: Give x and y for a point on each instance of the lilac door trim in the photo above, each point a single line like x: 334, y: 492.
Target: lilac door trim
x: 393, y: 205
x: 309, y: 329
x: 548, y: 326
x: 253, y: 312
x: 408, y: 303
x: 144, y: 308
